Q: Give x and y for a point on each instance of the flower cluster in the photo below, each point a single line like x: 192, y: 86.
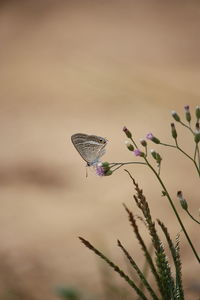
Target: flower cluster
x: 103, y: 169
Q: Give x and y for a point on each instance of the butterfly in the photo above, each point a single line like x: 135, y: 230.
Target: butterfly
x: 90, y: 147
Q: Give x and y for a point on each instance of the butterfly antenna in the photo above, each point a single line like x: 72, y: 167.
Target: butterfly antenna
x: 86, y: 170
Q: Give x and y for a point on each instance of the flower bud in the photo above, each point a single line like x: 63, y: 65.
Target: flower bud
x: 174, y: 132
x: 197, y: 112
x: 103, y: 169
x: 175, y: 116
x: 127, y: 132
x: 153, y: 153
x: 129, y: 146
x: 197, y: 133
x: 152, y: 138
x: 156, y: 156
x: 138, y: 152
x: 143, y: 142
x: 183, y: 202
x: 187, y: 113
x: 108, y: 173
x: 197, y: 137
x: 106, y: 166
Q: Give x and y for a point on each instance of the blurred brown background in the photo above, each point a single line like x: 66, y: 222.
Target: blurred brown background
x: 91, y: 67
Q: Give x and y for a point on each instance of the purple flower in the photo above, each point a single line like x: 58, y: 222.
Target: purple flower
x: 100, y: 170
x: 138, y: 152
x: 150, y: 136
x: 187, y: 113
x: 187, y: 108
x: 127, y: 132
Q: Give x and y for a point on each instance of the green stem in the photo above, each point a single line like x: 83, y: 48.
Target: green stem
x: 134, y: 143
x: 198, y: 155
x: 174, y: 209
x: 177, y: 146
x: 192, y: 216
x: 168, y: 145
x: 195, y: 152
x: 188, y: 127
x: 119, y: 165
x: 127, y: 163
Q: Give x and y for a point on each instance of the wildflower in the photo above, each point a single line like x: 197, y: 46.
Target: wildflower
x: 129, y: 146
x: 174, y: 132
x: 183, y: 202
x: 103, y: 169
x: 187, y: 113
x: 100, y: 170
x: 143, y: 142
x: 175, y: 116
x: 127, y: 132
x: 197, y: 112
x: 138, y: 152
x: 152, y: 138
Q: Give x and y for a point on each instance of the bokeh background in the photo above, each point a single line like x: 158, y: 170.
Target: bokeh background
x: 91, y: 67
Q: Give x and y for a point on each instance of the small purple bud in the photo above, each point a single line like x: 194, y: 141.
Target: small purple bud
x: 149, y: 136
x: 152, y: 138
x: 127, y: 132
x: 187, y: 108
x: 175, y: 116
x: 100, y: 170
x: 183, y: 202
x: 103, y: 169
x: 143, y: 142
x: 138, y: 152
x: 173, y: 131
x: 187, y: 113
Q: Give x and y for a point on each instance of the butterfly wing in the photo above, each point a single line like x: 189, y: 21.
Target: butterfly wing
x: 89, y: 148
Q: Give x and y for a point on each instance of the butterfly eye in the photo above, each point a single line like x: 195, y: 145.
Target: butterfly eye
x: 102, y: 141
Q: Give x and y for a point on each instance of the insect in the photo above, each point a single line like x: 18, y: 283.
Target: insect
x: 90, y: 147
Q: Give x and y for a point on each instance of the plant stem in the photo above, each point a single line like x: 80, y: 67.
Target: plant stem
x: 134, y: 143
x: 188, y: 127
x: 174, y: 209
x: 198, y: 155
x: 192, y: 159
x: 177, y: 146
x: 195, y: 152
x: 168, y: 145
x: 119, y: 165
x: 192, y: 217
